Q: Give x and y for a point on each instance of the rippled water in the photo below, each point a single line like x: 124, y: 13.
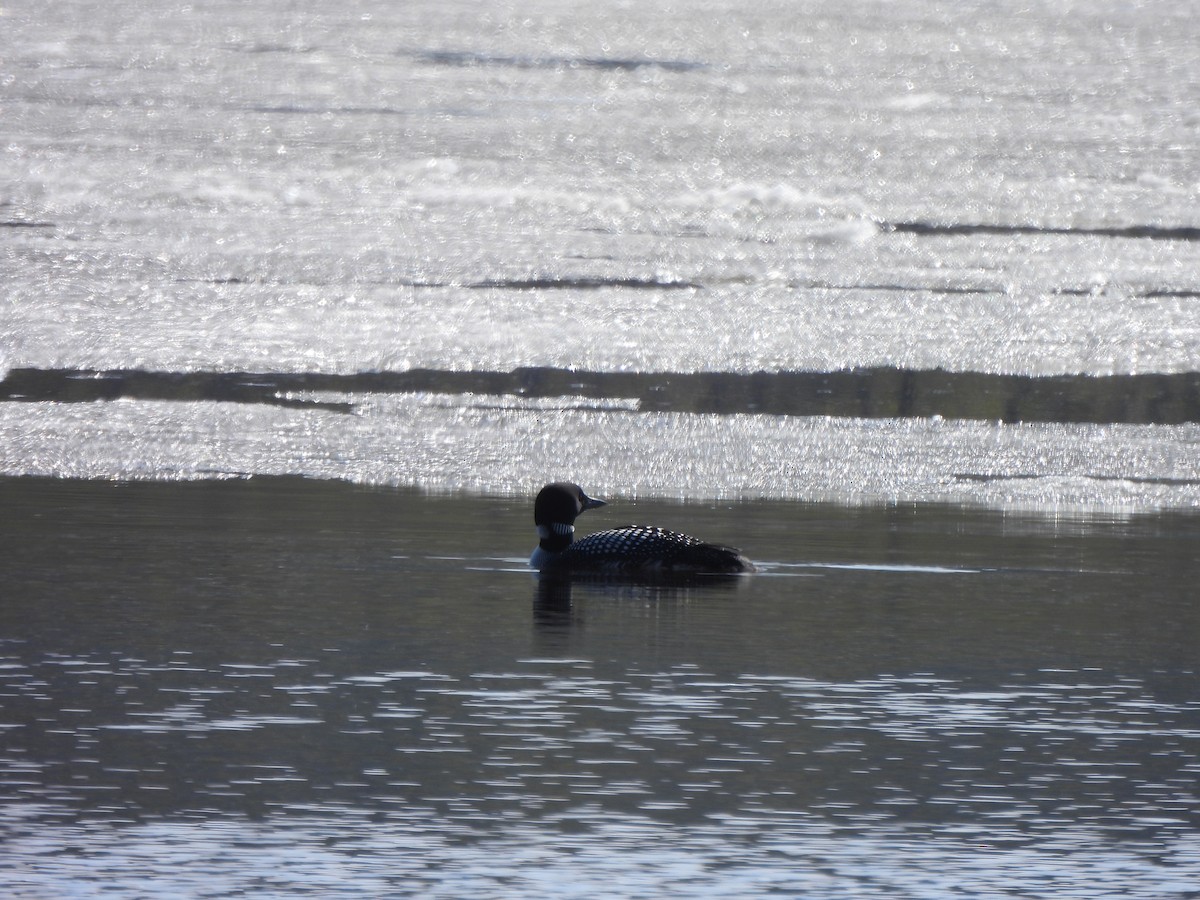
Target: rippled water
x: 508, y: 444
x: 282, y: 687
x: 770, y: 212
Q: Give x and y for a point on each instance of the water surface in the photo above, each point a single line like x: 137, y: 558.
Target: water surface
x: 282, y: 686
x: 301, y: 306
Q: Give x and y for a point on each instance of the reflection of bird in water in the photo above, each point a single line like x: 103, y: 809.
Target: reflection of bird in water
x: 633, y: 552
x: 564, y: 603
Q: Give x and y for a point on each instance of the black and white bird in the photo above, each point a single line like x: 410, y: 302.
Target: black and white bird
x: 637, y: 551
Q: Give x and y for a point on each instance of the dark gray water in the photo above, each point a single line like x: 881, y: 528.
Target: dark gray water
x: 285, y: 687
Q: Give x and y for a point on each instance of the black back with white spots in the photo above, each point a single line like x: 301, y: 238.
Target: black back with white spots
x: 646, y: 549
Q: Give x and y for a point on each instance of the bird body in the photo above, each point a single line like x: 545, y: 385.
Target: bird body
x: 631, y: 551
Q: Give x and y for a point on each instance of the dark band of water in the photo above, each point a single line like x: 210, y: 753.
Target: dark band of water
x: 1148, y: 399
x: 461, y: 58
x: 1137, y: 232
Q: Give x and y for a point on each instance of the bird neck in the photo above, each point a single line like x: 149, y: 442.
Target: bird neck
x: 555, y: 537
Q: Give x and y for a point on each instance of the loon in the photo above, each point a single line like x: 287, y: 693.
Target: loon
x: 632, y: 551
